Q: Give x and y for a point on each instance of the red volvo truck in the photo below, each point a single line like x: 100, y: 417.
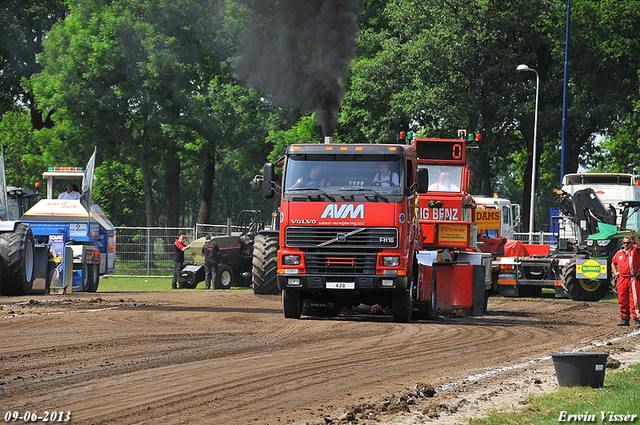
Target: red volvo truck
x: 456, y: 278
x: 348, y: 227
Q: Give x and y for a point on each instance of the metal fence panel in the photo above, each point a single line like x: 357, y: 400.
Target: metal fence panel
x: 148, y: 251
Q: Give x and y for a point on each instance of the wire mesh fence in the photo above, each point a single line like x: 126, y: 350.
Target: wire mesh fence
x: 148, y: 251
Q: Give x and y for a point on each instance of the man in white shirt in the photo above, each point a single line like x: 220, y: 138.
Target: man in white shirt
x: 69, y: 193
x: 385, y: 178
x: 443, y: 184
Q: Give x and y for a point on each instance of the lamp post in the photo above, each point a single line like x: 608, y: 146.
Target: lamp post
x: 533, y: 164
x: 563, y: 150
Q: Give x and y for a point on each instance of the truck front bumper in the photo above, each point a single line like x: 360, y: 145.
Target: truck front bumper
x: 343, y: 283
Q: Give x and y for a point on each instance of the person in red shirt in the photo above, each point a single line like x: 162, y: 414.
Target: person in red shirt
x: 625, y: 266
x: 179, y: 246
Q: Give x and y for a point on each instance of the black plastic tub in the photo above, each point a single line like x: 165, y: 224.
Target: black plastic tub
x: 580, y: 369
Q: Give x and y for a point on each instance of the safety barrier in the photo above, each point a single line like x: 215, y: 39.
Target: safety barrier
x: 148, y: 251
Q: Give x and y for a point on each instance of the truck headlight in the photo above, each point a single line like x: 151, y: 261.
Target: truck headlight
x: 291, y: 260
x: 391, y: 261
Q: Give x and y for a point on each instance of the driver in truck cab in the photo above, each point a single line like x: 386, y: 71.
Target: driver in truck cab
x: 385, y: 178
x: 313, y: 178
x: 444, y: 183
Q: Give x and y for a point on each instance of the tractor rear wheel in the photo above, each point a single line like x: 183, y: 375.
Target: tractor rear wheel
x: 264, y: 264
x: 17, y: 253
x: 583, y: 289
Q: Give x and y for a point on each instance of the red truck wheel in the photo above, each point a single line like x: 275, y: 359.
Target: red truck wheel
x: 401, y: 306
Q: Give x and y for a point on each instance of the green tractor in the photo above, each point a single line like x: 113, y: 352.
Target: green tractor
x: 236, y: 252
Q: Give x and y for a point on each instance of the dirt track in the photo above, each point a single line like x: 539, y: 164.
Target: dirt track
x: 231, y: 358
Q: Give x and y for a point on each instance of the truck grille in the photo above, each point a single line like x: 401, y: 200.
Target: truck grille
x: 341, y: 237
x: 348, y: 263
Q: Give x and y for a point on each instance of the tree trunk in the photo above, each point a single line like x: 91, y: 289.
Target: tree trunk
x: 172, y: 188
x: 140, y: 149
x: 204, y: 215
x: 572, y: 146
x: 37, y: 121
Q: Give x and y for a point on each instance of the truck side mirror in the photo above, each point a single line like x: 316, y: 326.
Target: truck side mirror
x: 269, y: 175
x: 423, y: 180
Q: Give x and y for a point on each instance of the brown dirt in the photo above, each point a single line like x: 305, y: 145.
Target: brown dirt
x: 232, y: 358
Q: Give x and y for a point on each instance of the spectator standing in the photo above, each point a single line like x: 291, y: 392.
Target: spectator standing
x: 625, y: 266
x: 178, y: 258
x: 210, y: 251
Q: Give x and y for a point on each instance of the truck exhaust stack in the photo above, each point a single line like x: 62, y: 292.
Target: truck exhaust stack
x: 328, y: 139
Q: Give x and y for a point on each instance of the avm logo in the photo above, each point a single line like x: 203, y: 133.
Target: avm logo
x: 343, y: 211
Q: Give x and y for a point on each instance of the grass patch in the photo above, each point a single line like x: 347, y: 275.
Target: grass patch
x: 620, y: 395
x: 145, y: 284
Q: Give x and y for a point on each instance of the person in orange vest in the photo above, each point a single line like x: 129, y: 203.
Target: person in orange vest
x: 625, y: 266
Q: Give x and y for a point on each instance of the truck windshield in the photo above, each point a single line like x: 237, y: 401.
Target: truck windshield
x: 444, y: 178
x: 339, y: 175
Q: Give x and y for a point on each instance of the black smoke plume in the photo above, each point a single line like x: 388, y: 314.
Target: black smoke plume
x: 299, y: 51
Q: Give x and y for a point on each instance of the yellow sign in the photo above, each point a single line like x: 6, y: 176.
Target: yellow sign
x: 487, y: 220
x: 591, y: 269
x: 453, y: 234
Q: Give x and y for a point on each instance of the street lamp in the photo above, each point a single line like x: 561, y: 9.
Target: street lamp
x: 533, y: 165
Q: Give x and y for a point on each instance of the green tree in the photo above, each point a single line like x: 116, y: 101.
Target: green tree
x: 121, y: 75
x: 24, y: 162
x: 23, y: 27
x: 435, y: 67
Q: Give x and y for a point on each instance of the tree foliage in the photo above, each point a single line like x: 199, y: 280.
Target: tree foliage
x: 23, y: 26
